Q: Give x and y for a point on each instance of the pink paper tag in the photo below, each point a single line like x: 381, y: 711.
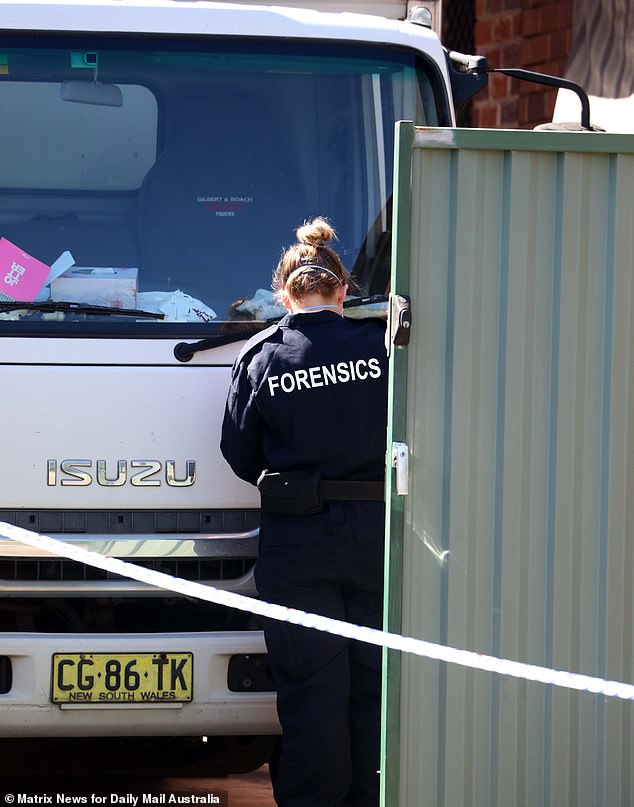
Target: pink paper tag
x: 21, y: 275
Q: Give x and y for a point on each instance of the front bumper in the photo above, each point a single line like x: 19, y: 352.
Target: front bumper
x: 26, y: 709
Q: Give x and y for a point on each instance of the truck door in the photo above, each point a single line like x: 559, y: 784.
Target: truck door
x: 513, y: 537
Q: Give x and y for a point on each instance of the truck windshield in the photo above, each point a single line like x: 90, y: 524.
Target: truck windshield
x: 167, y: 176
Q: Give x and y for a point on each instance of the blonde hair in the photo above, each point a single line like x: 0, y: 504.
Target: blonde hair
x: 310, y: 265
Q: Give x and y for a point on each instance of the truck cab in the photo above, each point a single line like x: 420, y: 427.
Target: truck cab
x: 156, y: 159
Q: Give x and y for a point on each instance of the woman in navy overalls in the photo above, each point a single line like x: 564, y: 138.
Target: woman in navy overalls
x: 310, y: 394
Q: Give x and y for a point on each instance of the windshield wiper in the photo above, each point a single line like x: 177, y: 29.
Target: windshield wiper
x: 185, y: 351
x: 80, y: 308
x: 357, y: 302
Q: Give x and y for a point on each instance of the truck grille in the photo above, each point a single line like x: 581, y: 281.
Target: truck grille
x: 51, y: 569
x: 126, y: 522
x: 226, y: 550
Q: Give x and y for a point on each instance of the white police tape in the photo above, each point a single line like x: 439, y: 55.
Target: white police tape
x: 419, y: 647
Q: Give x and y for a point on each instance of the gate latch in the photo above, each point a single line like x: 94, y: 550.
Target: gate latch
x: 400, y: 320
x: 400, y: 461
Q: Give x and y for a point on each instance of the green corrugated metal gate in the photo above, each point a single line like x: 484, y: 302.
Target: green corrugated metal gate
x: 517, y: 536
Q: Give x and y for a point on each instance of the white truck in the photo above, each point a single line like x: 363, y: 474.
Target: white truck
x: 155, y: 159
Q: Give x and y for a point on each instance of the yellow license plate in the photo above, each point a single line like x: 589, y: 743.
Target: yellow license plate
x: 104, y: 678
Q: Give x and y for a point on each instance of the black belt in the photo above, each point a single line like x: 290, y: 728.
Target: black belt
x: 366, y: 491
x: 302, y: 493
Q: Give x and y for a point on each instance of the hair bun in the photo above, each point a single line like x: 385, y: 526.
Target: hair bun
x: 315, y: 232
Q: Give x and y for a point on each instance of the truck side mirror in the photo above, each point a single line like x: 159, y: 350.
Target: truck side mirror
x: 468, y: 75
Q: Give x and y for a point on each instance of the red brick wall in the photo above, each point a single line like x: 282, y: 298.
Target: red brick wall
x: 534, y: 34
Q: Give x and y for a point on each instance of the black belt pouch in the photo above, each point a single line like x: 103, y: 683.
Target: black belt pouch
x: 290, y: 493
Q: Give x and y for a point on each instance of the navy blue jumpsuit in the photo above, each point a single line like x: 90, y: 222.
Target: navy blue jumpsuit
x: 311, y: 393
